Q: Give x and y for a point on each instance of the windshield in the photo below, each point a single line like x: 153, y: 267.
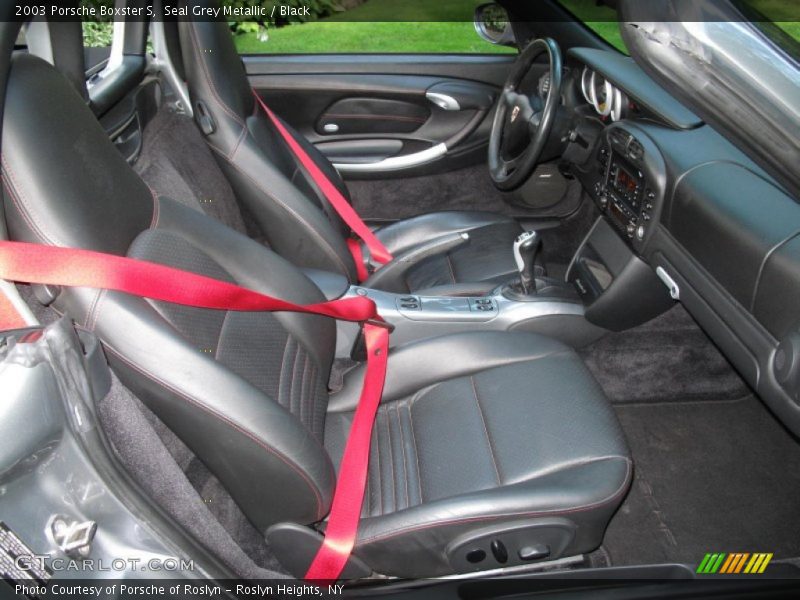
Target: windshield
x: 740, y: 82
x: 778, y: 20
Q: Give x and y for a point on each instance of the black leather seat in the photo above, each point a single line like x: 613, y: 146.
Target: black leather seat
x: 297, y: 220
x: 509, y: 435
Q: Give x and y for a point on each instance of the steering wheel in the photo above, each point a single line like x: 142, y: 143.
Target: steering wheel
x: 522, y: 123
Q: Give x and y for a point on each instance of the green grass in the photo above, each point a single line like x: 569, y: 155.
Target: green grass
x: 327, y: 37
x: 437, y: 26
x: 388, y: 26
x: 790, y: 27
x: 600, y: 19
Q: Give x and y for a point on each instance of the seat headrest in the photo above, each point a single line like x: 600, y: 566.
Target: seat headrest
x: 61, y: 44
x: 64, y: 182
x: 213, y: 68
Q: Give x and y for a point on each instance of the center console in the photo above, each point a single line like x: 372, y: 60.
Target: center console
x: 626, y: 193
x: 607, y: 285
x: 416, y: 317
x: 625, y: 175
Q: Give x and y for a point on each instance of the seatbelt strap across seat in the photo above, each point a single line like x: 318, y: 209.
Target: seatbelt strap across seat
x: 9, y: 315
x: 377, y: 250
x: 71, y: 267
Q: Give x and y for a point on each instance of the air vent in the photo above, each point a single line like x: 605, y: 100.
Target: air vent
x: 635, y: 150
x: 619, y: 138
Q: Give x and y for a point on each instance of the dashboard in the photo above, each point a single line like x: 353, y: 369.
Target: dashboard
x: 698, y: 212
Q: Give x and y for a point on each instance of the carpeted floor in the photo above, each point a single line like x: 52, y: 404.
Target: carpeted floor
x: 176, y: 480
x: 720, y: 476
x: 714, y: 470
x: 669, y: 358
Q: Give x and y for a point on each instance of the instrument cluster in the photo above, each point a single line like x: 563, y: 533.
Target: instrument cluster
x: 608, y: 100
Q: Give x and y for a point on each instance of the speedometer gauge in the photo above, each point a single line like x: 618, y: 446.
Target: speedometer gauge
x: 586, y: 84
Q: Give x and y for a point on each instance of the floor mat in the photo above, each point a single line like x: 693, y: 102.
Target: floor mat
x: 667, y: 359
x: 718, y: 476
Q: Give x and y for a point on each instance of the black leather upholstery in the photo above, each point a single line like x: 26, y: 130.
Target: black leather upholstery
x: 511, y: 426
x: 297, y: 220
x: 486, y: 259
x: 475, y: 430
x: 249, y: 431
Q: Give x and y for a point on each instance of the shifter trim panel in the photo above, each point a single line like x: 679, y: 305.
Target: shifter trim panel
x: 446, y: 308
x: 425, y: 316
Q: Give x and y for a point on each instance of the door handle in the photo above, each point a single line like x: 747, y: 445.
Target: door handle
x: 443, y: 101
x: 461, y: 95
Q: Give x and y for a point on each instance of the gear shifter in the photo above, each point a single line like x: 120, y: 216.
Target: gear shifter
x: 525, y: 248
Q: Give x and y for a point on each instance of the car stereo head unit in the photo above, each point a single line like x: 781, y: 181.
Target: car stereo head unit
x: 627, y: 196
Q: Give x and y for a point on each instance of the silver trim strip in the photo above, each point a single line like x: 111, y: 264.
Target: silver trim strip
x: 443, y: 101
x: 433, y: 319
x: 395, y: 163
x: 164, y: 65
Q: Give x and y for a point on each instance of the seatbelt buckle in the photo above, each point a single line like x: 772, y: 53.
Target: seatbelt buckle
x: 380, y: 323
x: 359, y: 350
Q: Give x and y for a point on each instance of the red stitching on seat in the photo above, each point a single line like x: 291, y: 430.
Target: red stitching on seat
x: 21, y: 205
x: 228, y: 422
x: 603, y: 502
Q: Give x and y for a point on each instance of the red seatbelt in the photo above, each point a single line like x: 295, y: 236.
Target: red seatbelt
x: 72, y: 267
x: 358, y: 256
x: 9, y: 316
x: 339, y: 203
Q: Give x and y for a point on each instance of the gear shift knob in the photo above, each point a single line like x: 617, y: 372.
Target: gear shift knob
x: 525, y: 248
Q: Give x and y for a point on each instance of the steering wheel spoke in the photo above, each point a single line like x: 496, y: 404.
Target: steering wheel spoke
x: 535, y: 121
x: 509, y: 97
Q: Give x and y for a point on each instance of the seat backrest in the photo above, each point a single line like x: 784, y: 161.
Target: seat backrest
x: 297, y: 220
x: 245, y: 391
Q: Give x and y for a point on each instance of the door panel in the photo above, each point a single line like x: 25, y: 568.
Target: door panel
x: 377, y: 116
x: 365, y: 116
x: 388, y: 124
x: 430, y: 117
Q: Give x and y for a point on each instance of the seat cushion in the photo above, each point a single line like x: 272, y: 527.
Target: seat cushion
x: 487, y: 260
x: 512, y: 426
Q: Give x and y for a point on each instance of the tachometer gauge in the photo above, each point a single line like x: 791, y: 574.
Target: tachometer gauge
x: 602, y: 93
x: 618, y: 105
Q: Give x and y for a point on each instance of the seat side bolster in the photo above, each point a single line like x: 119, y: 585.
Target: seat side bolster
x: 415, y: 366
x: 269, y: 462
